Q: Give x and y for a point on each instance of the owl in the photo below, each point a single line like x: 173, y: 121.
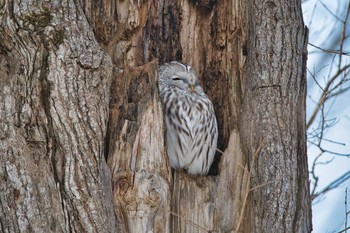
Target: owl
x: 191, y: 126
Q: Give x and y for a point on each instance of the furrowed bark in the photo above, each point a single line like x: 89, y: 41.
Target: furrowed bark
x: 54, y: 107
x: 273, y: 118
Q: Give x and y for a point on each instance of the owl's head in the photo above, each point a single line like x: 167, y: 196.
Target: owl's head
x: 181, y: 76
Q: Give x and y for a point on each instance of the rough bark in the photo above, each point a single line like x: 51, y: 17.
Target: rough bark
x: 54, y: 83
x: 273, y: 118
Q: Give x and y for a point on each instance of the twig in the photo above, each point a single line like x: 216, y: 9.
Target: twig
x: 328, y: 151
x: 314, y: 176
x: 346, y: 209
x: 325, y: 94
x: 313, y: 75
x: 344, y: 230
x: 342, y: 39
x: 330, y: 12
x: 217, y: 149
x: 330, y: 50
x: 334, y: 184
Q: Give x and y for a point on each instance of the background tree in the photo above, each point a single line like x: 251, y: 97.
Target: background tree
x: 56, y: 131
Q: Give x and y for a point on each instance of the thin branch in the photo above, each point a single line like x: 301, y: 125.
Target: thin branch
x: 325, y: 94
x: 322, y: 126
x: 334, y: 184
x: 314, y: 176
x: 342, y: 39
x: 344, y: 230
x: 346, y: 209
x: 342, y: 81
x: 334, y: 142
x: 330, y: 50
x: 328, y: 151
x: 341, y: 91
x: 330, y: 12
x: 313, y: 75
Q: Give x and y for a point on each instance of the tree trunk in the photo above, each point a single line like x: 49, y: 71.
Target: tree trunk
x: 273, y: 118
x: 56, y: 83
x: 54, y: 104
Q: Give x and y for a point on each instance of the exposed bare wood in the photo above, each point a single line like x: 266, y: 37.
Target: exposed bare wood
x: 213, y: 204
x: 137, y: 157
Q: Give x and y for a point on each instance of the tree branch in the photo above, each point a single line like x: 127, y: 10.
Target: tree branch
x: 334, y: 184
x: 330, y: 50
x: 344, y: 230
x: 325, y: 95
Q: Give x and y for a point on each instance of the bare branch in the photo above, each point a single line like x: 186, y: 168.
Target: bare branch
x: 325, y: 94
x: 334, y: 184
x: 346, y: 209
x: 335, y: 142
x: 329, y: 151
x: 330, y: 50
x: 330, y: 12
x: 342, y: 39
x: 313, y: 75
x: 314, y: 176
x: 344, y: 230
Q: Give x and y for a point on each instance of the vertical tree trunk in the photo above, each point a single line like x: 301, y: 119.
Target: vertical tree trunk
x: 273, y: 118
x: 56, y: 85
x: 54, y: 97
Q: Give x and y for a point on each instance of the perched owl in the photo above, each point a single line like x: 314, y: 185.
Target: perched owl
x: 192, y: 131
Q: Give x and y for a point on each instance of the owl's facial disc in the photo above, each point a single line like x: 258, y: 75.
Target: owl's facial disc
x: 186, y: 81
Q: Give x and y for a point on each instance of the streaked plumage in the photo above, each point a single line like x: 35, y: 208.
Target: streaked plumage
x: 190, y: 119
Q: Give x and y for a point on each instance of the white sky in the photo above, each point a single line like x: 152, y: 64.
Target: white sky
x: 329, y: 212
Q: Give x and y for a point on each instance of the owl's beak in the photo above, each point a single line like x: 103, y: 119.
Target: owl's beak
x: 192, y: 89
